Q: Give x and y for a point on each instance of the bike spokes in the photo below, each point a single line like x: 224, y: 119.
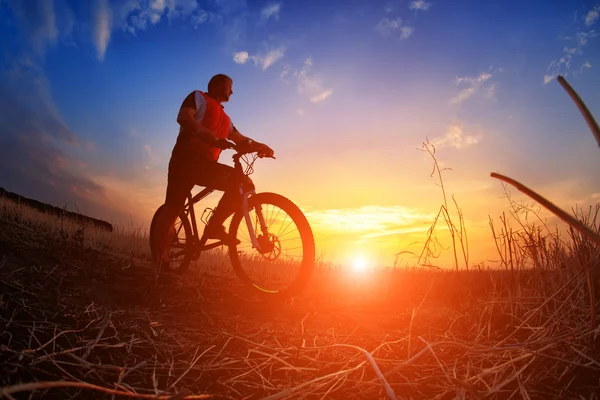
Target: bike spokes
x: 277, y: 264
x: 284, y: 242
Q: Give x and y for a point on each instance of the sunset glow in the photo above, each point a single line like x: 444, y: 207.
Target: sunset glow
x: 94, y: 91
x: 360, y: 265
x: 393, y: 225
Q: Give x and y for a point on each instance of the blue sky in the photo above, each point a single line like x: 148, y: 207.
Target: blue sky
x: 344, y: 91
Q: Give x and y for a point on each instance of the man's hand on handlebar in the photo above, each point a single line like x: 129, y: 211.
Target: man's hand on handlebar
x: 223, y: 144
x: 265, y: 151
x: 251, y: 146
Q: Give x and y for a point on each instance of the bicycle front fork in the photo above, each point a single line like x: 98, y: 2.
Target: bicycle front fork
x: 261, y: 243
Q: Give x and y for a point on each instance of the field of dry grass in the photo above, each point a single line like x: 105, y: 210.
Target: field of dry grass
x: 81, y: 315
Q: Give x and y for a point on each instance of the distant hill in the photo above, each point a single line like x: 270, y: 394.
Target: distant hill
x: 52, y: 210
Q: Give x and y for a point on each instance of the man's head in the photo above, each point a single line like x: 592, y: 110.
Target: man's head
x: 220, y: 87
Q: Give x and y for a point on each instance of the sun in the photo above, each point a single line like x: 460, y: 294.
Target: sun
x: 360, y: 264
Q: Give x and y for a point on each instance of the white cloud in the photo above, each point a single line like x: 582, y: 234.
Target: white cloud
x: 265, y: 60
x: 270, y: 11
x: 146, y: 17
x: 582, y: 38
x: 272, y: 57
x: 463, y: 95
x: 472, y: 85
x: 321, y: 96
x: 310, y: 85
x: 199, y: 17
x: 387, y: 27
x: 562, y: 66
x: 285, y: 72
x: 570, y: 51
x: 592, y: 15
x: 158, y: 5
x: 405, y: 32
x: 455, y: 137
x: 44, y: 22
x: 571, y: 54
x: 240, y: 57
x: 584, y: 66
x: 484, y: 76
x: 419, y: 5
x: 102, y: 28
x: 182, y: 8
x: 369, y: 220
x: 137, y: 15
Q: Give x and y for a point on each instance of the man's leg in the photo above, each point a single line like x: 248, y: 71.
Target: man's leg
x: 222, y: 177
x: 225, y: 207
x: 179, y: 186
x: 164, y: 231
x: 231, y: 200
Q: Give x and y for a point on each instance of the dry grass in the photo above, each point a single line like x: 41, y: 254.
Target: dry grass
x: 80, y: 314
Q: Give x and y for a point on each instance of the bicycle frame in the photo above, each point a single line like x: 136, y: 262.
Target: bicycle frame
x: 189, y: 211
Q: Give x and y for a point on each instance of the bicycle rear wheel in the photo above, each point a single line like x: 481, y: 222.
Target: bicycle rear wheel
x: 180, y: 251
x: 285, y: 265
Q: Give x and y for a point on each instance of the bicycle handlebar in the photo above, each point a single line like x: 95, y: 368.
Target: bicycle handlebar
x: 230, y: 145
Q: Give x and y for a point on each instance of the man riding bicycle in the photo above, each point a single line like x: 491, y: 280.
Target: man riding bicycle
x: 204, y: 131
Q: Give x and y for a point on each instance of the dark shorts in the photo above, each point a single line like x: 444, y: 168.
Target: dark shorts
x: 186, y: 171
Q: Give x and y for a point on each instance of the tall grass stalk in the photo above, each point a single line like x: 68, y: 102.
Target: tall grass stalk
x: 458, y: 234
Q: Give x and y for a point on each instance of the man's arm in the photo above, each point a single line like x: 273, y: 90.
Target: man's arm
x: 236, y: 137
x: 188, y: 122
x: 239, y: 139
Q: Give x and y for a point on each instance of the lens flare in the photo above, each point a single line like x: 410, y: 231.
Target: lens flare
x: 360, y: 264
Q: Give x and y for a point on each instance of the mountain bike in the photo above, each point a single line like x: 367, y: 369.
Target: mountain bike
x: 275, y: 255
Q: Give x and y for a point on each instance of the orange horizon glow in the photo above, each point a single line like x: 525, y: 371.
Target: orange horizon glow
x: 360, y: 264
x: 380, y: 232
x: 349, y: 127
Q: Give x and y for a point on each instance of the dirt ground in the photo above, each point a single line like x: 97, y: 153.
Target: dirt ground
x: 90, y: 323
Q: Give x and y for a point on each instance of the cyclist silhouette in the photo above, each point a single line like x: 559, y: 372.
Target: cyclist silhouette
x: 204, y: 131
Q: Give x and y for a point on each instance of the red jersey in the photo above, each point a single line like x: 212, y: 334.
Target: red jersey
x: 211, y: 115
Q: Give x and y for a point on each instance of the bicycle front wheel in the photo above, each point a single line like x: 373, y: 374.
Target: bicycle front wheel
x: 285, y: 263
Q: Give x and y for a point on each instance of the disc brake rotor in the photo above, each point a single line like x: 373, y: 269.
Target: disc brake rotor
x: 272, y: 247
